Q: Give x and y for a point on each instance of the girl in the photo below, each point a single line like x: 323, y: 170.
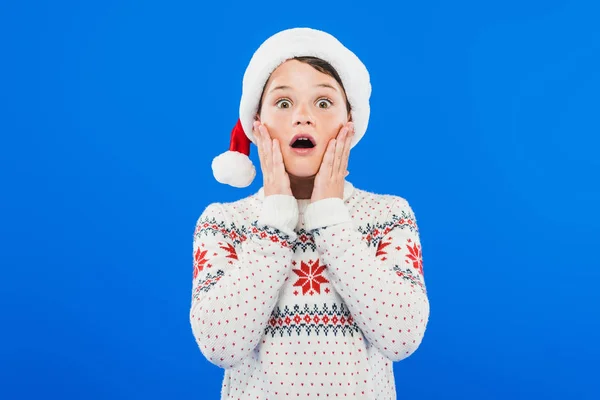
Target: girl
x: 309, y: 287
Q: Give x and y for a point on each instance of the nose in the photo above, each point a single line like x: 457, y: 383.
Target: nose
x: 303, y: 115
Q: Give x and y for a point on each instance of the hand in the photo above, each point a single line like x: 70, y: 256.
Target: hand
x: 275, y: 178
x: 329, y: 181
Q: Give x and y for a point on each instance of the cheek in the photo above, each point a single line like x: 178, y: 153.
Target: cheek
x: 333, y: 124
x: 331, y: 132
x: 275, y: 124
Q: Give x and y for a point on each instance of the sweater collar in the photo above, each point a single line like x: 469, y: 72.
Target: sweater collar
x: 348, y: 190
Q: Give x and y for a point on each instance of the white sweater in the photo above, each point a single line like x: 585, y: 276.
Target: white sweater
x: 299, y: 300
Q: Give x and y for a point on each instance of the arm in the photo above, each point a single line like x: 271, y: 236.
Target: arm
x: 235, y: 288
x: 384, y: 288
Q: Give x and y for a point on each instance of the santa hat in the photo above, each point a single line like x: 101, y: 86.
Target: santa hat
x: 234, y: 167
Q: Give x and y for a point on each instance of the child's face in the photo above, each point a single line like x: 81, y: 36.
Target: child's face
x: 303, y: 107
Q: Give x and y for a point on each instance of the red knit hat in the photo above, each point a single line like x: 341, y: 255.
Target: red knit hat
x: 234, y: 167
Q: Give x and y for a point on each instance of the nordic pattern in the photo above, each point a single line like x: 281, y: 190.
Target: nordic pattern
x: 316, y: 320
x: 278, y: 298
x: 208, y: 282
x: 309, y: 275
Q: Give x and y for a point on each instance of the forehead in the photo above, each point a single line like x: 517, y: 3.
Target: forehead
x: 294, y: 73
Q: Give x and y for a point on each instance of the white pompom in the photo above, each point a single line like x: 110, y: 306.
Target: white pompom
x: 234, y: 169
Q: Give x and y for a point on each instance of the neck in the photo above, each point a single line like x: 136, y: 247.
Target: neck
x: 302, y: 187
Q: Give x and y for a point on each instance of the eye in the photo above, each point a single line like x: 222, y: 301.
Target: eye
x: 282, y: 101
x: 321, y: 101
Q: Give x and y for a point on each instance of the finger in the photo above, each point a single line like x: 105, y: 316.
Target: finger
x: 256, y: 133
x: 278, y: 167
x: 268, y: 151
x: 346, y: 155
x: 327, y: 164
x: 255, y: 129
x: 339, y: 151
x: 259, y: 146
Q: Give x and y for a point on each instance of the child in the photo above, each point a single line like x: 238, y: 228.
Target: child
x: 309, y: 287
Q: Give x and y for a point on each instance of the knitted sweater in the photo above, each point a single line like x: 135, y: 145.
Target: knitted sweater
x: 301, y: 300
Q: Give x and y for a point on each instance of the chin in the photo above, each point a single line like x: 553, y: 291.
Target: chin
x: 302, y: 167
x: 299, y: 170
x: 302, y: 173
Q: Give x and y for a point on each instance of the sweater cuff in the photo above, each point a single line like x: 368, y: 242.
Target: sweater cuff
x: 279, y: 211
x: 326, y: 212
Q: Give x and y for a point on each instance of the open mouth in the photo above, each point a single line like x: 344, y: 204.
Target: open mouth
x: 303, y: 142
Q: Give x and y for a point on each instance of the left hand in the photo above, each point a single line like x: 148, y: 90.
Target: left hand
x: 329, y: 181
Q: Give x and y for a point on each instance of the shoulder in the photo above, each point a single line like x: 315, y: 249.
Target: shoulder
x: 225, y: 220
x: 382, y: 212
x: 230, y: 211
x: 380, y: 205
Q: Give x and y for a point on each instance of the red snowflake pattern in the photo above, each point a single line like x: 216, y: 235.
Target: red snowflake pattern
x: 230, y: 249
x: 382, y: 245
x: 415, y: 256
x: 199, y: 261
x: 310, y: 277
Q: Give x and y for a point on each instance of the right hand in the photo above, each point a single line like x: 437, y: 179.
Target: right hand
x: 275, y: 178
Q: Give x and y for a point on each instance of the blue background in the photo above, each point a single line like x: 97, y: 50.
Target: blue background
x: 484, y: 116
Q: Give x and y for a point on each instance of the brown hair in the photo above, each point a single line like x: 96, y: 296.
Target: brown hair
x: 321, y: 66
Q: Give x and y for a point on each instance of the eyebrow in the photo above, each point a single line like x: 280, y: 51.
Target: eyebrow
x: 283, y: 87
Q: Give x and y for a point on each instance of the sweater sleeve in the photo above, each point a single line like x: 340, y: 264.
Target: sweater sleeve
x: 237, y: 276
x: 378, y: 272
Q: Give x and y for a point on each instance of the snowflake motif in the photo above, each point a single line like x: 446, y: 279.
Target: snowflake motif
x: 415, y: 256
x: 380, y: 248
x: 229, y: 249
x: 310, y: 277
x: 199, y: 261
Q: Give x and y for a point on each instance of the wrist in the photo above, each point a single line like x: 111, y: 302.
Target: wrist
x: 279, y: 211
x: 326, y: 212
